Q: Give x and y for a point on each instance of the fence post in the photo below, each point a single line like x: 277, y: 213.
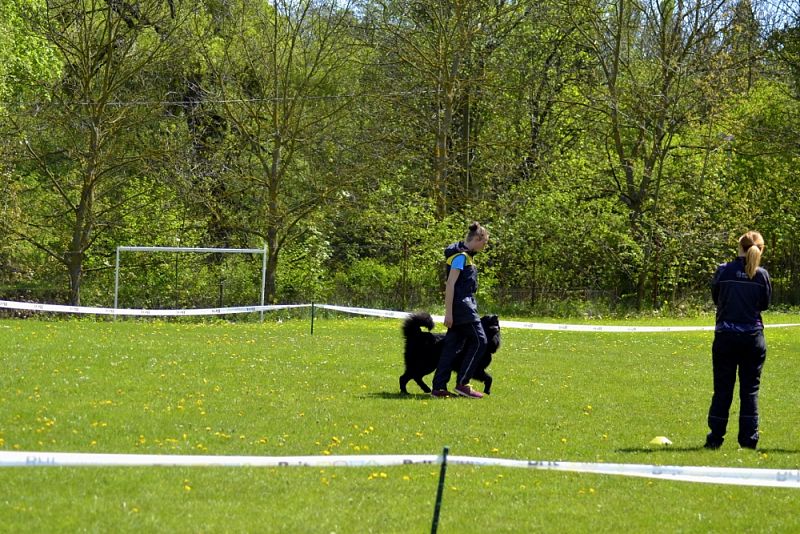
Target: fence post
x: 439, y: 491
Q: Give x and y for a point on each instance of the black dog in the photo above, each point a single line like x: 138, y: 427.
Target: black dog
x: 423, y: 350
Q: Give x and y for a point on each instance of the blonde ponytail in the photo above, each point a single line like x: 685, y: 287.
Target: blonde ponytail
x: 751, y: 245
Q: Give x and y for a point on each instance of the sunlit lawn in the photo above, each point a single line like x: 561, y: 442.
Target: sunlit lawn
x: 273, y: 389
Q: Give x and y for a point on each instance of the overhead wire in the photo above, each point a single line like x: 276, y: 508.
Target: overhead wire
x: 199, y: 101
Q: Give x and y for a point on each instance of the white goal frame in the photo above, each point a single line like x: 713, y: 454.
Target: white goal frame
x: 203, y: 250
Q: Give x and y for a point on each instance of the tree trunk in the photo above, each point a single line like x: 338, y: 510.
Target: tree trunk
x: 81, y: 233
x: 75, y: 267
x: 273, y: 251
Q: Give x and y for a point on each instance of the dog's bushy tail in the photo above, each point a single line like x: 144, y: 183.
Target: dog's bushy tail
x: 416, y: 322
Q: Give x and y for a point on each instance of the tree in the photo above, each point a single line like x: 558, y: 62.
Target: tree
x: 654, y: 61
x: 434, y: 55
x: 783, y: 28
x: 83, y: 146
x: 742, y: 38
x: 282, y: 76
x: 25, y: 57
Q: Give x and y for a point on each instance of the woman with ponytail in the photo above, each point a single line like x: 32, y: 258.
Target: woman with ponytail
x: 461, y: 317
x: 741, y: 290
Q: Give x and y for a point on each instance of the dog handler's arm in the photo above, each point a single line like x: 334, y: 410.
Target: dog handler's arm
x: 449, y: 292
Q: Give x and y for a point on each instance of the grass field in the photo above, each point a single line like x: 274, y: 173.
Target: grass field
x: 273, y: 389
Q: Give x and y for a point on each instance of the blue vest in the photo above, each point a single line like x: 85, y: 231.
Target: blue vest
x: 465, y: 308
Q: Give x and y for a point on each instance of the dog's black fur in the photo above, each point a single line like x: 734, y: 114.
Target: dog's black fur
x: 423, y: 350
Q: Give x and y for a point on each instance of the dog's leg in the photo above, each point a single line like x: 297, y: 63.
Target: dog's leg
x: 486, y: 378
x: 422, y: 384
x: 403, y: 381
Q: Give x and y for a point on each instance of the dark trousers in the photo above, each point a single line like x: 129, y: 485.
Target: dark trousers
x: 472, y: 338
x: 747, y: 353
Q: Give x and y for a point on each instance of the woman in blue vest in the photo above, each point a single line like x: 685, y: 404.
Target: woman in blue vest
x: 461, y: 315
x: 741, y: 289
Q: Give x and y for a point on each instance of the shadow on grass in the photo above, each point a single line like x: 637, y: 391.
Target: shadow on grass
x: 395, y: 395
x: 651, y: 450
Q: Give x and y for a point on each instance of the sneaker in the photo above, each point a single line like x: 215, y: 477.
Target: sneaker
x: 465, y: 390
x: 440, y: 393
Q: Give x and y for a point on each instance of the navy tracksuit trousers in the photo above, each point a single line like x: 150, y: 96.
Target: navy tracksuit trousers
x: 472, y: 337
x: 745, y: 352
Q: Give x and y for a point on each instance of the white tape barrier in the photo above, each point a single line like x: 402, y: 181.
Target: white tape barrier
x: 778, y: 478
x: 389, y: 314
x: 606, y: 328
x: 80, y: 459
x: 539, y: 326
x: 6, y: 304
x: 737, y: 476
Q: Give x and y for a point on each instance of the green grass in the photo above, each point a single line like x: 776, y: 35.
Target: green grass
x: 273, y: 389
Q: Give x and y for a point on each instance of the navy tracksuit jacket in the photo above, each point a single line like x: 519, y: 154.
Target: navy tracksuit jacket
x: 467, y: 329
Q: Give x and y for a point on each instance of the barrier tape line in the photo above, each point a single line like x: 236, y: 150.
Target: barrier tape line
x: 389, y: 314
x: 740, y: 476
x: 540, y: 326
x: 30, y: 306
x: 80, y: 459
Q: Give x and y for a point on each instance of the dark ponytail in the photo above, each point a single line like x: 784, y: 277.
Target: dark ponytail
x: 476, y: 230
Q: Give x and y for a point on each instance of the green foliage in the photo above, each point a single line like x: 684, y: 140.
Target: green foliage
x: 158, y: 280
x: 25, y: 56
x: 367, y: 281
x: 358, y: 143
x: 304, y: 265
x: 396, y: 242
x: 763, y: 176
x: 548, y: 228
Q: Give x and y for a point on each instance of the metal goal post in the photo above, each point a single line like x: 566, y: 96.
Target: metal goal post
x: 203, y: 250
